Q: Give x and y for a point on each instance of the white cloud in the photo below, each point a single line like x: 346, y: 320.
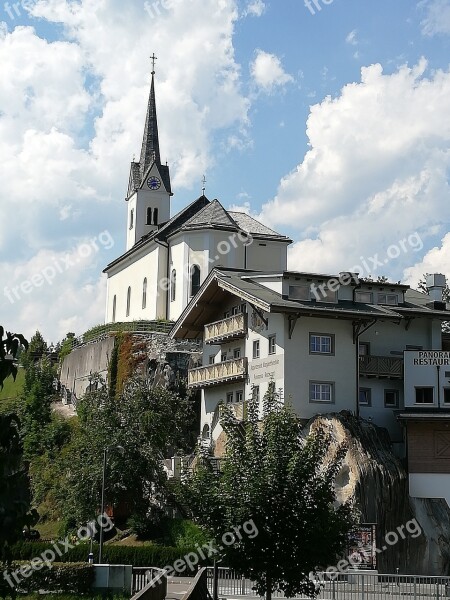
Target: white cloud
x: 268, y: 72
x: 437, y: 17
x: 72, y: 114
x: 436, y: 260
x: 255, y: 8
x: 55, y: 292
x: 376, y: 172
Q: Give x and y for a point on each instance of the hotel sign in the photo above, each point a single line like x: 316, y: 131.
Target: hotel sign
x: 431, y: 358
x: 265, y: 369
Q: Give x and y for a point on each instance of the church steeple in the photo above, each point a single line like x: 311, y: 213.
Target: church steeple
x: 150, y: 154
x: 150, y: 143
x: 149, y: 189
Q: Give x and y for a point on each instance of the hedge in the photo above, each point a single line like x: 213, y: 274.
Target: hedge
x: 68, y: 578
x: 137, y: 556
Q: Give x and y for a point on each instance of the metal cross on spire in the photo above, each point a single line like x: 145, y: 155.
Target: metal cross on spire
x: 204, y: 184
x: 153, y: 59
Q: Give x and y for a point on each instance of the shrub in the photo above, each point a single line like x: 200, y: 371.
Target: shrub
x: 137, y: 556
x: 68, y: 578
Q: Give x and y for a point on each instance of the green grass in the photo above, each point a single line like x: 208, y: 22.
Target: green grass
x: 11, y: 391
x: 49, y: 529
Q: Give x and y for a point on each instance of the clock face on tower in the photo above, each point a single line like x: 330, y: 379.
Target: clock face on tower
x: 154, y: 183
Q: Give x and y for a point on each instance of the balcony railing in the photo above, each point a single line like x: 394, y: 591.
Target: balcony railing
x: 229, y: 370
x: 226, y: 329
x: 381, y: 366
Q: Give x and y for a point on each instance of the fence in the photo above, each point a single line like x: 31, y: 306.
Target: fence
x: 149, y: 583
x: 349, y: 586
x: 97, y: 333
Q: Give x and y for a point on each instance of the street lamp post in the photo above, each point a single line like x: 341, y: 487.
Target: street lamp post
x: 105, y: 454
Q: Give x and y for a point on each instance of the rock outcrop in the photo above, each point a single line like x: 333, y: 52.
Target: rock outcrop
x: 378, y: 483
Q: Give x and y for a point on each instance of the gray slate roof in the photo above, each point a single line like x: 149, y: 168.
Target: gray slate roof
x: 213, y: 215
x: 251, y: 225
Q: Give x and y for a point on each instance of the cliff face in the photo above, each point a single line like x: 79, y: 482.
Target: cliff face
x: 378, y: 483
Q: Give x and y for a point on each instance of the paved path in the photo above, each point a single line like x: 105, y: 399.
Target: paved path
x: 177, y: 587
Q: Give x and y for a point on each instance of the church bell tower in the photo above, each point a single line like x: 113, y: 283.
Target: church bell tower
x: 149, y: 188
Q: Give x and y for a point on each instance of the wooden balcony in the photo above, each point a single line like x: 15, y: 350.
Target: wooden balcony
x: 240, y: 411
x: 382, y: 367
x: 227, y: 329
x: 224, y: 372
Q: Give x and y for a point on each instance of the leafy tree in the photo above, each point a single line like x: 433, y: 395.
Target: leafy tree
x: 9, y: 350
x: 14, y: 485
x: 148, y: 423
x: 283, y: 482
x: 35, y: 409
x: 38, y: 346
x: 65, y: 348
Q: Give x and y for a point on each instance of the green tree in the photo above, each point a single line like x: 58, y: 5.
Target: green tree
x: 148, y: 423
x: 284, y: 483
x: 38, y: 346
x: 14, y: 484
x: 9, y: 350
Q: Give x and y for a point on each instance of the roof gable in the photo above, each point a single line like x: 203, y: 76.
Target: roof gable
x: 213, y: 215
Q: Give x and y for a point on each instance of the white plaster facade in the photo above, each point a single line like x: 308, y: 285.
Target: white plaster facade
x: 385, y: 334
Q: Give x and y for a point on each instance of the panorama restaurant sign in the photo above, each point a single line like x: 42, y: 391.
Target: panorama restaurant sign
x: 431, y: 358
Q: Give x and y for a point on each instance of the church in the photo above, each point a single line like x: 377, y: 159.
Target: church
x: 167, y: 258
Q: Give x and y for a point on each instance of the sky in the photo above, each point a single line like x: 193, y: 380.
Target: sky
x: 328, y: 120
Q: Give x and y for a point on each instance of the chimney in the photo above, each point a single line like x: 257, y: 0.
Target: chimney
x: 435, y: 284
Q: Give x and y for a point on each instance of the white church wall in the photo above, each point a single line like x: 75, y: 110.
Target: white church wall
x: 133, y: 276
x: 267, y: 256
x: 177, y: 261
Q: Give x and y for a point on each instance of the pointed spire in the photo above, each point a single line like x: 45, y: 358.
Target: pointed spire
x: 150, y: 143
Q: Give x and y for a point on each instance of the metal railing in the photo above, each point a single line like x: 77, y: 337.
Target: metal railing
x: 348, y: 586
x: 142, y: 576
x: 97, y: 333
x: 381, y: 366
x: 226, y: 329
x: 229, y: 370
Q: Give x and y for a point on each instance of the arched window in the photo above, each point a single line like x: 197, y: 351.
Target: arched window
x: 132, y: 218
x: 149, y: 216
x: 205, y: 432
x: 173, y: 286
x: 128, y: 301
x: 155, y: 216
x: 144, y: 294
x: 114, y: 309
x: 195, y: 279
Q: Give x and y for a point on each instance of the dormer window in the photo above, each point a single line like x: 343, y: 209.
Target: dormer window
x: 299, y: 292
x: 389, y: 299
x: 364, y: 297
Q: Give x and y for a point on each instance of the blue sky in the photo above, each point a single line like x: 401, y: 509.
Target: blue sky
x: 332, y: 127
